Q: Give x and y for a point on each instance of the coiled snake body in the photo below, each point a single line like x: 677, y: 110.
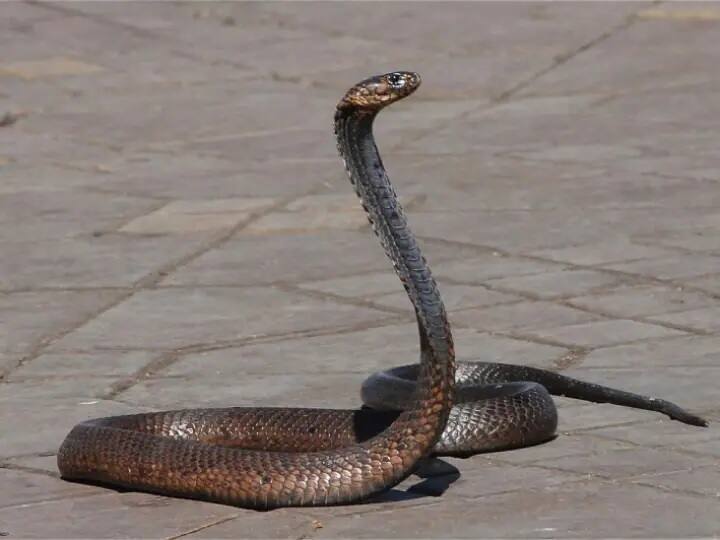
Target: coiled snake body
x: 270, y: 457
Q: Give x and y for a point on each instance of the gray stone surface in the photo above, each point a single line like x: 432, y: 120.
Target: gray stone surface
x: 671, y: 267
x: 176, y: 230
x: 171, y: 318
x: 605, y: 333
x: 556, y: 284
x: 29, y: 318
x: 644, y: 300
x: 523, y: 316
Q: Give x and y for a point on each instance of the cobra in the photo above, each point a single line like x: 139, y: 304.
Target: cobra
x: 271, y: 457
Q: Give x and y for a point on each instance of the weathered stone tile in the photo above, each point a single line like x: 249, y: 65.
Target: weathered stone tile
x: 46, y: 177
x: 51, y: 420
x: 556, y: 284
x: 596, y: 511
x: 693, y: 11
x: 454, y: 296
x: 29, y: 317
x: 660, y: 433
x: 285, y: 523
x: 686, y: 351
x: 480, y: 269
x: 603, y: 252
x: 153, y: 517
x: 291, y: 143
x: 361, y: 352
x: 287, y: 258
x: 641, y: 301
x: 111, y: 260
x: 591, y: 416
x: 709, y: 283
x: 81, y: 388
x: 473, y: 180
x: 709, y: 447
x: 629, y: 72
x: 313, y: 212
x: 604, y: 333
x: 521, y: 231
x: 528, y: 24
x: 341, y: 391
x: 587, y: 153
x: 295, y: 258
x: 705, y: 239
x: 678, y: 266
x: 480, y: 477
x: 59, y: 215
x: 632, y: 463
x: 564, y: 445
x: 189, y: 174
x: 21, y: 488
x: 372, y: 284
x: 79, y: 364
x: 707, y: 319
x: 522, y: 316
x: 601, y: 152
x: 169, y: 318
x: 47, y: 148
x: 9, y: 361
x: 45, y: 462
x: 155, y: 17
x: 703, y: 480
x: 180, y: 217
x: 324, y: 371
x: 51, y: 67
x: 21, y: 14
x: 681, y: 385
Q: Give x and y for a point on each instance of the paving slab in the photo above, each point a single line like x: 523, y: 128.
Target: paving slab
x: 556, y: 284
x: 21, y: 488
x: 701, y: 351
x: 28, y: 317
x: 523, y: 317
x: 605, y: 333
x: 51, y: 419
x: 95, y: 260
x: 703, y: 319
x: 172, y: 317
x: 675, y: 267
x: 605, y: 251
x: 297, y: 256
x: 125, y: 515
x: 61, y: 214
x: 675, y: 384
x: 644, y: 300
x: 177, y: 230
x: 595, y: 512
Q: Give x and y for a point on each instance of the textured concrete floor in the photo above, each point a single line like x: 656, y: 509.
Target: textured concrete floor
x: 177, y: 231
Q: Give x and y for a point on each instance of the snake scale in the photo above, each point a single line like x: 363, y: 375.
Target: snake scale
x: 271, y: 457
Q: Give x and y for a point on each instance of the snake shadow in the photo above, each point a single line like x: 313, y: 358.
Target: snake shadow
x: 436, y: 475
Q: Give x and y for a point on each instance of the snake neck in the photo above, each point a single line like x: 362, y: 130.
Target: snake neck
x: 356, y: 144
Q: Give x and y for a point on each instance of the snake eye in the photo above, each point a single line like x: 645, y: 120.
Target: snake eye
x: 396, y: 80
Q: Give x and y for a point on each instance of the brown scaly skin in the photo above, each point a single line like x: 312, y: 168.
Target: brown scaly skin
x: 195, y: 453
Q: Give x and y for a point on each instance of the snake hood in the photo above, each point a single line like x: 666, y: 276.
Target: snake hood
x: 379, y: 91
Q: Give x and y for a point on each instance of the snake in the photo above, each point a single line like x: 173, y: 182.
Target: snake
x: 269, y: 457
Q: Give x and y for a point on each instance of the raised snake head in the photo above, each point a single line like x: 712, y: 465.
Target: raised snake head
x: 381, y: 90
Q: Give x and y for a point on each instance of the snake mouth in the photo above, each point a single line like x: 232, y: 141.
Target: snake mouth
x: 379, y: 91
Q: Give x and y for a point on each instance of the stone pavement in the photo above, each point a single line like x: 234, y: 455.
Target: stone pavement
x: 178, y: 231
